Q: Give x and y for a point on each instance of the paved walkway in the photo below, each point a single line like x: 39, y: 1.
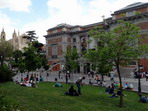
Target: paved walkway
x: 74, y: 77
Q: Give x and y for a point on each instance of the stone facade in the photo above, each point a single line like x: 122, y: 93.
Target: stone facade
x: 63, y: 35
x: 17, y: 41
x: 3, y: 35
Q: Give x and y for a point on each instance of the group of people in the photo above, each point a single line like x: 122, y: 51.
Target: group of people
x: 128, y: 86
x: 72, y: 91
x: 114, y: 91
x: 143, y: 99
x: 141, y: 75
x: 29, y: 81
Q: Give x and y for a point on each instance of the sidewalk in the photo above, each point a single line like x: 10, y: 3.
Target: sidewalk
x: 74, y: 77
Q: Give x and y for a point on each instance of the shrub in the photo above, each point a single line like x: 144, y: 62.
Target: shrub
x: 5, y: 73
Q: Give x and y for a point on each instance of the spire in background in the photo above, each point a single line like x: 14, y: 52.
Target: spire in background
x: 3, y: 35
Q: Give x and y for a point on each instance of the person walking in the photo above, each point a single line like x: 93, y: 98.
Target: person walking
x: 79, y: 83
x: 59, y: 74
x: 146, y: 75
x: 66, y: 78
x: 112, y: 76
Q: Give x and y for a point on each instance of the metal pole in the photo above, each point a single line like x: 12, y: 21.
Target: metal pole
x: 139, y: 82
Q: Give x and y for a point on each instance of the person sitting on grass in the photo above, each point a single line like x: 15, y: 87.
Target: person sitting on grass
x: 72, y: 91
x: 108, y: 89
x: 26, y: 83
x: 57, y: 85
x: 116, y: 94
x: 143, y: 99
x: 111, y: 91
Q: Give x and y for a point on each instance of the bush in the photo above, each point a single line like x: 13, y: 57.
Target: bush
x: 5, y: 73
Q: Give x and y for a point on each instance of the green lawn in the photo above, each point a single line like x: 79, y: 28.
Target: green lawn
x: 49, y: 98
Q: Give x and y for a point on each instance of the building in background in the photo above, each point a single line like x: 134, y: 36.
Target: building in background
x: 17, y: 41
x: 62, y: 36
x: 3, y: 35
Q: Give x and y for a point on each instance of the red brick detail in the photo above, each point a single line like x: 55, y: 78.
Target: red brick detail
x: 131, y: 66
x: 120, y: 15
x: 142, y: 10
x: 53, y: 41
x: 49, y: 51
x: 56, y: 67
x: 59, y: 30
x: 50, y: 62
x: 144, y: 38
x: 59, y: 50
x: 144, y: 62
x: 143, y: 25
x: 69, y: 39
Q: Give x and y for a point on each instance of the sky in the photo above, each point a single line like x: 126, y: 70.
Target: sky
x: 40, y: 15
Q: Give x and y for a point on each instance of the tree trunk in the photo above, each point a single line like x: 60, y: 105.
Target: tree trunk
x: 102, y: 77
x: 1, y: 62
x: 120, y: 80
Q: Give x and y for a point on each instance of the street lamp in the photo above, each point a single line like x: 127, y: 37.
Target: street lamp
x: 139, y: 76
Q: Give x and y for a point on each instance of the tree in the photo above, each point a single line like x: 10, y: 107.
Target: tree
x: 33, y: 57
x: 71, y: 57
x: 5, y: 73
x: 17, y: 55
x: 22, y: 66
x: 6, y: 50
x: 120, y: 45
x: 38, y: 46
x: 98, y: 60
x: 40, y: 50
x: 30, y: 36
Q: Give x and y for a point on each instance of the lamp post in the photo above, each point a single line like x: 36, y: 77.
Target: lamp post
x: 139, y: 81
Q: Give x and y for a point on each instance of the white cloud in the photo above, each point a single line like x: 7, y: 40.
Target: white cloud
x: 74, y: 12
x: 7, y: 24
x: 40, y: 27
x: 16, y: 5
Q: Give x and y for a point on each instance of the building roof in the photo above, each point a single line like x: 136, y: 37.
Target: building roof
x: 60, y: 26
x: 132, y: 6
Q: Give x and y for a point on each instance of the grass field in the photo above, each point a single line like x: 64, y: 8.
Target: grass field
x: 49, y: 98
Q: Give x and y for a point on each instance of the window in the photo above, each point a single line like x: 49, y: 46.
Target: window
x: 74, y: 47
x: 54, y: 51
x: 74, y: 39
x: 113, y: 17
x: 55, y: 31
x: 130, y: 13
x: 132, y: 63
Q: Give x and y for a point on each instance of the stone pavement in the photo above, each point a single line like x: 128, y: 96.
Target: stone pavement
x: 74, y: 77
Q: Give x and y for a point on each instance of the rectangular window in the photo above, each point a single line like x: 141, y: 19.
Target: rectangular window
x: 54, y: 51
x: 74, y: 39
x: 74, y: 47
x: 132, y: 63
x: 130, y: 13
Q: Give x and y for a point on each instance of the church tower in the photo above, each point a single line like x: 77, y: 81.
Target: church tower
x: 15, y: 40
x: 14, y: 35
x: 3, y: 35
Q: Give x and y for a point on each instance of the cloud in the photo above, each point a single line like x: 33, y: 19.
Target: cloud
x: 73, y: 12
x: 40, y: 26
x: 7, y: 24
x: 82, y: 13
x: 16, y: 5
